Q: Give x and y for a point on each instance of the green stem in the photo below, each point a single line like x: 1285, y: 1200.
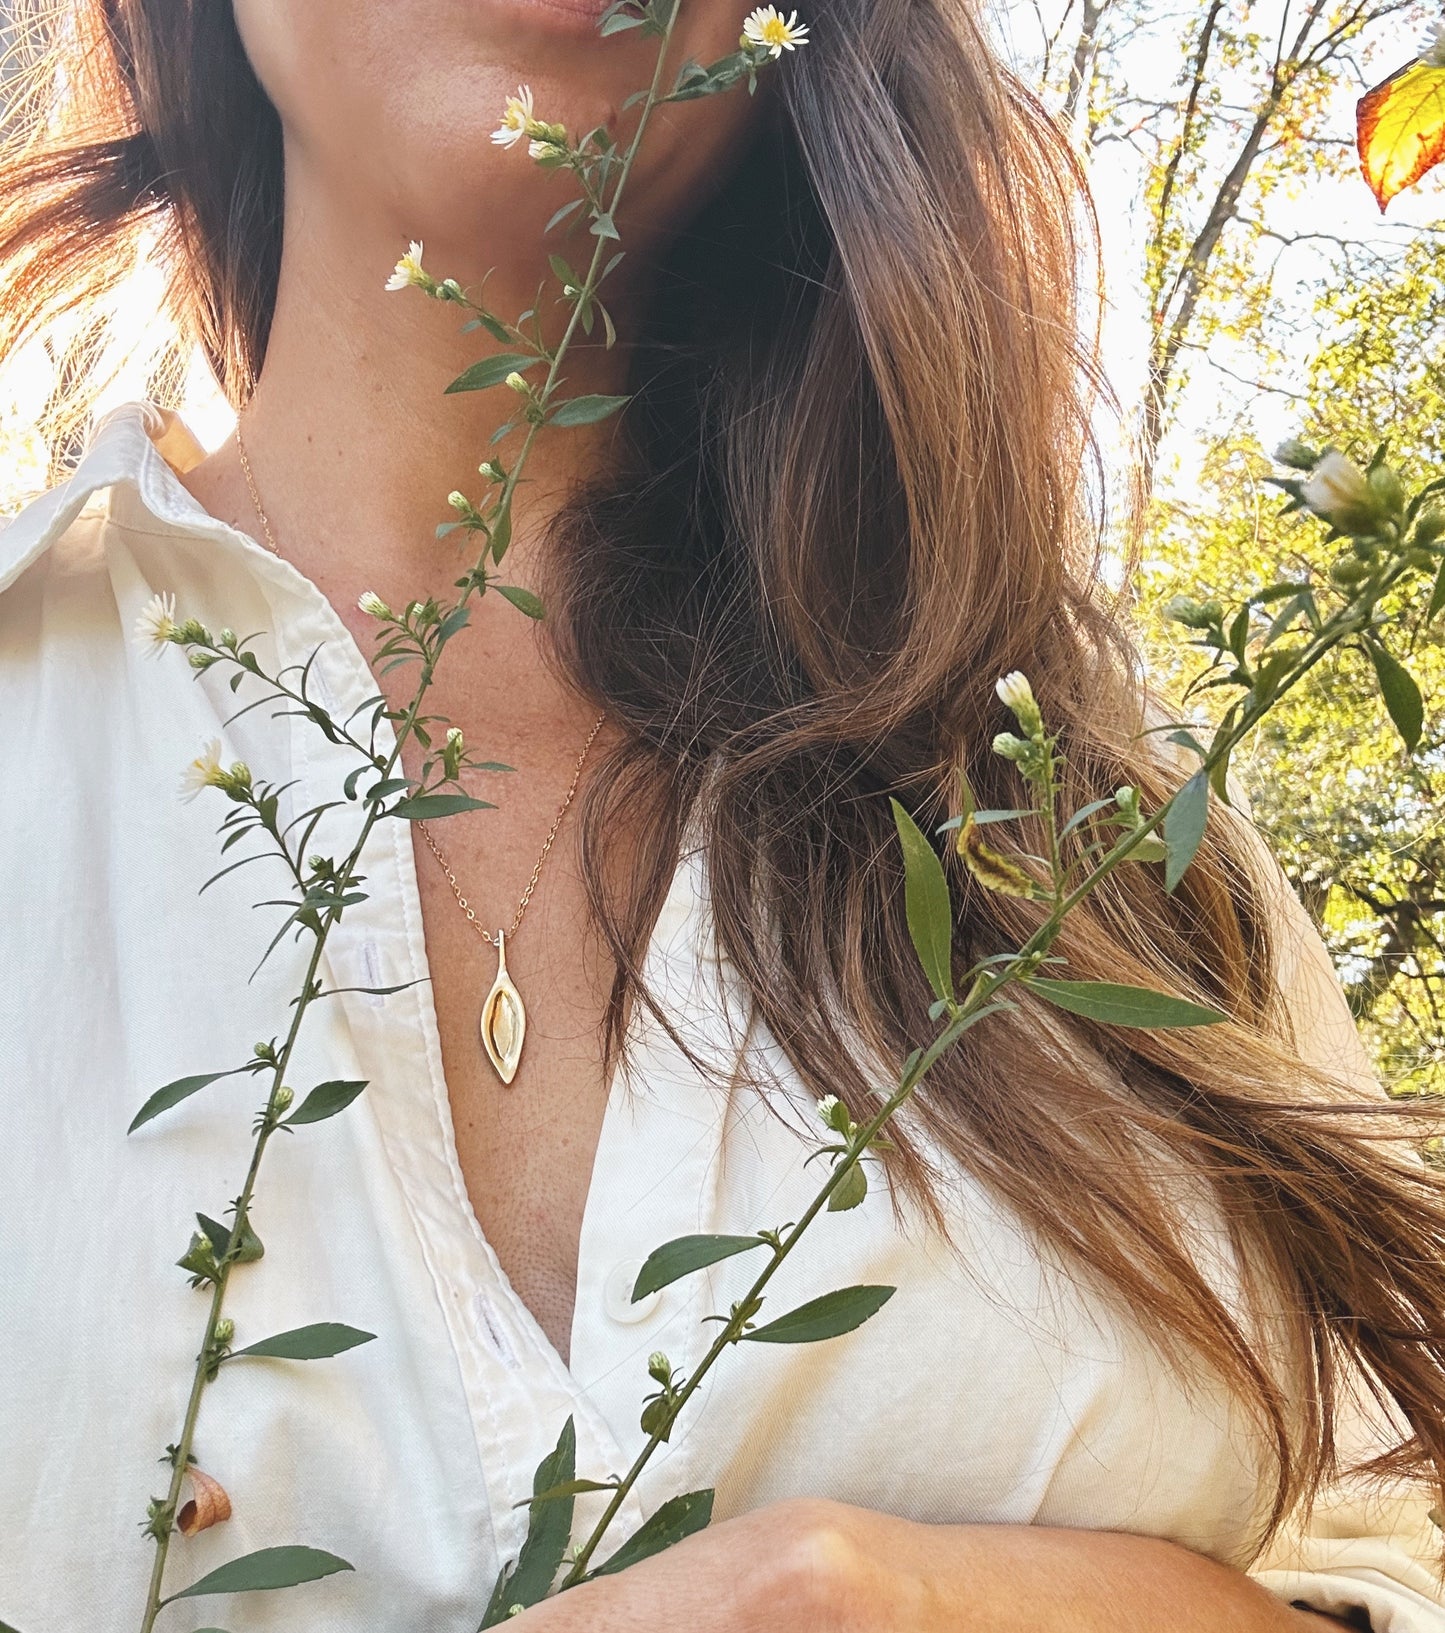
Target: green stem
x: 269, y: 1122
x: 987, y: 982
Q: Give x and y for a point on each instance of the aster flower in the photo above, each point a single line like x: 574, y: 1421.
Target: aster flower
x: 1015, y: 691
x: 767, y: 27
x: 516, y: 118
x: 1338, y: 491
x: 156, y: 627
x: 371, y: 603
x: 205, y: 771
x: 409, y: 272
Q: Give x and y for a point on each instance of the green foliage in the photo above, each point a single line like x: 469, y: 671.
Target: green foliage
x: 829, y: 1316
x: 673, y: 1260
x: 1354, y: 818
x: 266, y: 1569
x: 677, y: 1518
x: 313, y: 1343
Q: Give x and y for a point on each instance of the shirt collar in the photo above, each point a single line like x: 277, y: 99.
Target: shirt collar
x: 138, y: 445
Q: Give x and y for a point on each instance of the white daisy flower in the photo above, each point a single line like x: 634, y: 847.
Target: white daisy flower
x: 205, y: 771
x: 516, y: 117
x: 767, y: 27
x: 155, y: 627
x: 408, y: 272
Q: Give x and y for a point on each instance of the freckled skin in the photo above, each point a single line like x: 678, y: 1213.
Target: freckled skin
x: 387, y: 109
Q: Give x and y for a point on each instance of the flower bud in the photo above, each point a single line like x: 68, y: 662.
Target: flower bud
x: 1184, y: 609
x: 492, y: 470
x: 225, y: 1330
x: 370, y: 602
x: 1386, y: 489
x: 1014, y: 691
x: 199, y: 658
x: 1430, y: 526
x: 1349, y: 571
x: 283, y: 1098
x: 1011, y: 747
x: 659, y: 1367
x: 1338, y: 492
x: 518, y: 384
x: 459, y: 502
x: 1299, y: 456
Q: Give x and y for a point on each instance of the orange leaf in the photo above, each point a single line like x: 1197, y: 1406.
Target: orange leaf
x: 1400, y: 126
x: 208, y: 1505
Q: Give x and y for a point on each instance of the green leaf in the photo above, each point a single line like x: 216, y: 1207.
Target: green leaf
x: 492, y: 371
x: 827, y: 1317
x: 522, y: 600
x: 173, y: 1093
x: 1401, y: 695
x: 313, y: 1343
x: 438, y: 805
x: 850, y: 1190
x: 549, y: 1529
x: 324, y: 1101
x: 1123, y: 1006
x: 266, y: 1568
x: 676, y: 1259
x: 1184, y: 827
x: 248, y: 1249
x: 930, y: 912
x: 568, y: 1488
x: 584, y: 410
x: 678, y: 1517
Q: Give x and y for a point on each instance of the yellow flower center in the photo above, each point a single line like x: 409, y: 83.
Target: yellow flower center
x: 775, y: 31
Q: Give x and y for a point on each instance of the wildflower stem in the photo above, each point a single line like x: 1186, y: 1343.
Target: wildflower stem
x: 269, y: 1120
x: 988, y: 981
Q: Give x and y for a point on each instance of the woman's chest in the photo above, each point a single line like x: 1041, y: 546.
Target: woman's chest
x: 981, y: 1390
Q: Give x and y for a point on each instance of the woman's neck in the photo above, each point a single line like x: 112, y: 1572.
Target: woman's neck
x: 353, y: 441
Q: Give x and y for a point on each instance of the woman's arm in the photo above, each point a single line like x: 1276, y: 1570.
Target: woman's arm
x: 821, y: 1567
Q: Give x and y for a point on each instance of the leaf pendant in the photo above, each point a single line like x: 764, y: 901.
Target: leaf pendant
x: 504, y: 1019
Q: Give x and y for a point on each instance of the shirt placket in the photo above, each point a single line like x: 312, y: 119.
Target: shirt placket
x: 518, y: 1390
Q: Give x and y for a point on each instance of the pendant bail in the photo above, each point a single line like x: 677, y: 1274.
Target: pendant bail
x: 504, y: 1019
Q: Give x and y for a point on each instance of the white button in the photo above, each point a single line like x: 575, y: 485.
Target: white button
x: 617, y: 1294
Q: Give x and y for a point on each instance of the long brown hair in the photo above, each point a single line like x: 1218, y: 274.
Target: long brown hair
x: 856, y: 495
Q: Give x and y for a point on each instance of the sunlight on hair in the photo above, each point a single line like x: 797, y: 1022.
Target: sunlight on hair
x: 129, y: 345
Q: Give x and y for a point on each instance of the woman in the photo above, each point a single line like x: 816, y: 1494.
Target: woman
x: 1139, y: 1276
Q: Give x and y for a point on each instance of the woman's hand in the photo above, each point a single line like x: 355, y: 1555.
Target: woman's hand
x: 812, y: 1566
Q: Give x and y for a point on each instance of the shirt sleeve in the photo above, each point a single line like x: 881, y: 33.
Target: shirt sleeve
x: 1369, y: 1552
x: 1368, y: 1555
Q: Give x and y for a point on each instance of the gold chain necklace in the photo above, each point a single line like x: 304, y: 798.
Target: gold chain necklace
x: 503, y: 1022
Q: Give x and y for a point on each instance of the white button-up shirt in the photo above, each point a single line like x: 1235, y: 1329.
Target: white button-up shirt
x: 993, y: 1387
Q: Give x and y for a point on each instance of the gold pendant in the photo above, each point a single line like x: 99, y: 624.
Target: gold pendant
x: 504, y: 1019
